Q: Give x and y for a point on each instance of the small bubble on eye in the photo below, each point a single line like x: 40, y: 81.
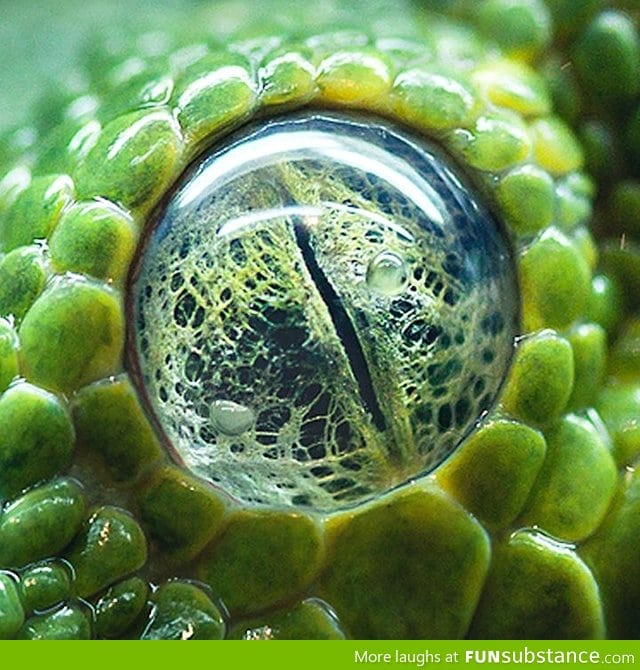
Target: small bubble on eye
x: 387, y: 273
x: 230, y: 418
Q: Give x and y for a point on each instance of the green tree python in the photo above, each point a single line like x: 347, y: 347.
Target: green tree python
x: 321, y: 322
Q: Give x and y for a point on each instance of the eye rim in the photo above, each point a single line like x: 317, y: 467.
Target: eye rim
x: 440, y: 173
x: 526, y: 242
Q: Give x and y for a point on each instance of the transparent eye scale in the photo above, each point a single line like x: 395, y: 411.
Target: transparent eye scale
x: 322, y: 311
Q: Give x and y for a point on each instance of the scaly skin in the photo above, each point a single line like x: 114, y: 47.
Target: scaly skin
x: 531, y: 529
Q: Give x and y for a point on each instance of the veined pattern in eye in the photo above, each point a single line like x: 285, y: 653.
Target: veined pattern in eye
x: 322, y: 312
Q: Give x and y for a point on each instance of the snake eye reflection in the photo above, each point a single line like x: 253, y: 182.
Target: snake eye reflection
x: 322, y: 311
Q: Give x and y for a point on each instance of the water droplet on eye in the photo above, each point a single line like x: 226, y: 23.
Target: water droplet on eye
x: 231, y: 418
x: 387, y: 273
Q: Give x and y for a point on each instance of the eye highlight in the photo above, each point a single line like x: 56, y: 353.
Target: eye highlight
x: 322, y: 311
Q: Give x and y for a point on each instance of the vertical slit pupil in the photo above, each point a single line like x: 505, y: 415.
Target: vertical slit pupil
x: 342, y: 324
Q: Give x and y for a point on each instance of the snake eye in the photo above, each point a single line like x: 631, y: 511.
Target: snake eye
x: 322, y: 311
